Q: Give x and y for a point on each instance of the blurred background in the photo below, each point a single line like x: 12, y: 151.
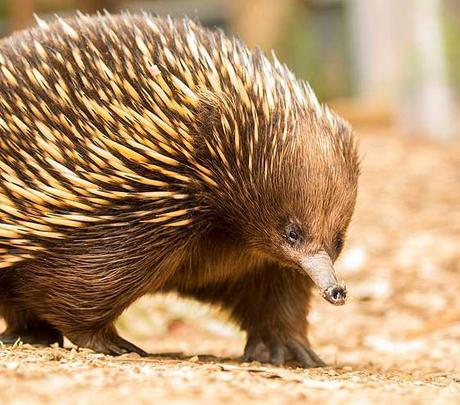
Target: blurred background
x: 392, y: 67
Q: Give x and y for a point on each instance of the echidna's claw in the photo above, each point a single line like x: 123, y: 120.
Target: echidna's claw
x: 278, y: 353
x: 107, y: 341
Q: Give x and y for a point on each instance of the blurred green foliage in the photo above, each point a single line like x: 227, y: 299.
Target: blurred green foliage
x: 315, y: 47
x: 452, y: 46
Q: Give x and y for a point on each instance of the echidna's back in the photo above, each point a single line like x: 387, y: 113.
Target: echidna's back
x: 107, y: 121
x: 96, y: 114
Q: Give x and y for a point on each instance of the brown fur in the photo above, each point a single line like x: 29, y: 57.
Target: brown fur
x: 231, y: 247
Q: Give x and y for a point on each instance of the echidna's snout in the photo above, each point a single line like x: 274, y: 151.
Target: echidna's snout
x: 336, y: 294
x: 320, y: 269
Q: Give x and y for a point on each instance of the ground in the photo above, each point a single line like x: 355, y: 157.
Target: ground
x: 398, y: 337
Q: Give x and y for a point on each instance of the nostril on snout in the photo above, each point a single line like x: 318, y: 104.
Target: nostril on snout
x: 338, y: 293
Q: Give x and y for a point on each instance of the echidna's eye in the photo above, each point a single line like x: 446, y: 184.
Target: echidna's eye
x: 293, y: 235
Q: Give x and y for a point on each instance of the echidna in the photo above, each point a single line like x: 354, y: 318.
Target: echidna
x: 141, y: 154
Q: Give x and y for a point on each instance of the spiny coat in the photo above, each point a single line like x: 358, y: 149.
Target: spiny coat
x: 141, y: 154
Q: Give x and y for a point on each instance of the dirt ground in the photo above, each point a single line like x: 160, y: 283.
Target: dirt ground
x: 398, y: 337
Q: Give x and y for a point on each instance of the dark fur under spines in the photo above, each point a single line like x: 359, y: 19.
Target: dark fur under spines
x: 141, y: 154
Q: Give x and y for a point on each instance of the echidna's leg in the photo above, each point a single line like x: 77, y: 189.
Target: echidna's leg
x: 82, y: 302
x: 38, y: 332
x: 271, y: 306
x: 29, y: 329
x: 105, y: 340
x: 22, y: 324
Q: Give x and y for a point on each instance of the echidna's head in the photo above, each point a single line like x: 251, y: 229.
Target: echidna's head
x: 286, y: 188
x: 301, y: 214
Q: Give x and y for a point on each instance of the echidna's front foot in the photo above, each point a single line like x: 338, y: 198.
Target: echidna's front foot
x: 42, y: 334
x: 107, y: 342
x: 278, y: 352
